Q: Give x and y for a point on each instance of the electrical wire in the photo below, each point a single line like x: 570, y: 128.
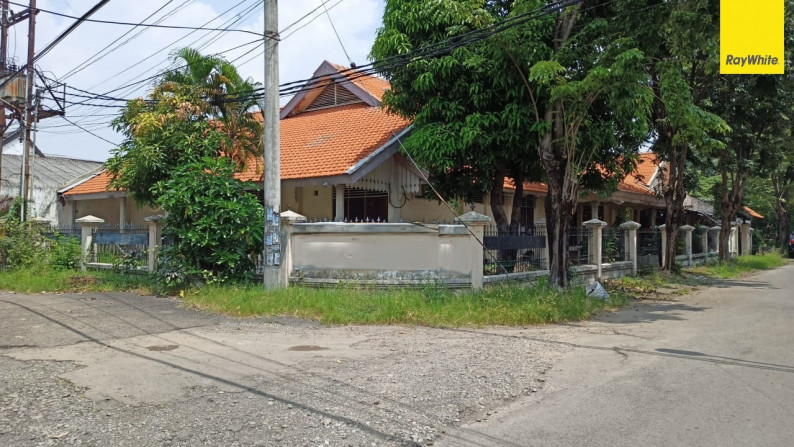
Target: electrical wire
x: 97, y: 57
x: 147, y: 25
x: 88, y: 131
x: 432, y: 50
x: 349, y: 60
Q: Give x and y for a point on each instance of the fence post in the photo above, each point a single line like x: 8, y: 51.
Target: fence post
x: 746, y: 244
x: 288, y: 219
x: 155, y: 223
x: 630, y: 234
x: 688, y: 242
x: 476, y: 223
x: 595, y: 228
x: 664, y: 242
x: 88, y: 224
x: 716, y: 230
x: 704, y: 243
x: 733, y: 246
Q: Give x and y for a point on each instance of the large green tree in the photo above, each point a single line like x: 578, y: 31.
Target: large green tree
x: 172, y: 126
x: 680, y: 40
x: 471, y: 123
x: 757, y: 108
x: 182, y: 145
x: 571, y: 100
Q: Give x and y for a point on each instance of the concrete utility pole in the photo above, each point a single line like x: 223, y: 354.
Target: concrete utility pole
x: 29, y: 109
x: 271, y: 136
x: 3, y: 74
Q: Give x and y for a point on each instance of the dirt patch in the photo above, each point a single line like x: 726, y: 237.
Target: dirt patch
x: 307, y: 348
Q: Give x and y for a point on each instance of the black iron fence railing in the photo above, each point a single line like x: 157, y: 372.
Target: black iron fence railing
x: 579, y: 246
x: 514, y: 250
x: 613, y: 245
x: 649, y: 249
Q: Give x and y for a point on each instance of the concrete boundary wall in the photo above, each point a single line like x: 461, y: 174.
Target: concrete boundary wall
x: 386, y: 254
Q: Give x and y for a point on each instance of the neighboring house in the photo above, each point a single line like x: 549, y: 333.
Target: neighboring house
x: 340, y: 159
x: 48, y: 174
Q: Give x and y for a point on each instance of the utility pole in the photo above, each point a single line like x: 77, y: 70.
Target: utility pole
x: 271, y: 138
x: 3, y: 74
x: 28, y: 109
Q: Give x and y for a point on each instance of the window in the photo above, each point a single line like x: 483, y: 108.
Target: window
x: 362, y: 205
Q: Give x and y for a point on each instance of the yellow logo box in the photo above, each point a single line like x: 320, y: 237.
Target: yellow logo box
x: 751, y: 37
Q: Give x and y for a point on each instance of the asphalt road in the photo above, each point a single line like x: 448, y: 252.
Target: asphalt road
x: 714, y: 368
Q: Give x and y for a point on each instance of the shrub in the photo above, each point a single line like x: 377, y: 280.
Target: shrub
x: 214, y: 225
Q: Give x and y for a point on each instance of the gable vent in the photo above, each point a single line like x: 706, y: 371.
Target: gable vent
x: 332, y: 96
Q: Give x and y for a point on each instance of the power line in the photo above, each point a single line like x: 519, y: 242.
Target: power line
x: 96, y: 57
x: 88, y: 131
x: 352, y: 64
x: 147, y: 25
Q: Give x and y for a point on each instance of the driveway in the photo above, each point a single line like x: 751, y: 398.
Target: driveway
x: 122, y: 369
x: 710, y: 368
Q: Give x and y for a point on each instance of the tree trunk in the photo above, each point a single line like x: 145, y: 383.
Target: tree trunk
x: 732, y: 191
x: 674, y: 194
x: 506, y: 257
x: 781, y: 184
x: 557, y: 215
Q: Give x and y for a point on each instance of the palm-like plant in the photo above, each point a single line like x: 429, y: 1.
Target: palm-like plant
x: 223, y: 95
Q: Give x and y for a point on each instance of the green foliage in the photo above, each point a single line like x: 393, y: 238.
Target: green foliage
x: 61, y: 280
x: 511, y: 305
x: 22, y: 244
x: 65, y: 252
x: 186, y: 118
x: 472, y: 126
x: 215, y: 226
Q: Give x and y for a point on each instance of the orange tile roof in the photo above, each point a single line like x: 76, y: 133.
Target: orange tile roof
x: 753, y: 213
x: 98, y: 183
x: 532, y: 187
x: 371, y: 84
x: 329, y: 142
x: 646, y: 167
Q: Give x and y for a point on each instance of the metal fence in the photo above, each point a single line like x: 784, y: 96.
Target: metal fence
x: 578, y: 246
x: 121, y: 246
x: 514, y: 250
x: 73, y: 231
x: 649, y: 249
x: 613, y: 245
x: 699, y: 236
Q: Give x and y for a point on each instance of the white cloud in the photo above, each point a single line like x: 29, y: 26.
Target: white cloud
x: 300, y: 53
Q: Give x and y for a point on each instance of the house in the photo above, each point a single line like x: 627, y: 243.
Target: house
x: 341, y: 160
x: 48, y: 175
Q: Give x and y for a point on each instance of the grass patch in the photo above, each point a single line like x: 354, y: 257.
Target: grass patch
x: 508, y: 305
x: 739, y: 266
x: 658, y: 284
x: 53, y: 280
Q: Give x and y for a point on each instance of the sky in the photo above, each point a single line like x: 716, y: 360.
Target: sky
x: 81, y: 63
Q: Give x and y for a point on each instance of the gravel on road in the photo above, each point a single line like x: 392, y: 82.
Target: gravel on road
x: 244, y: 382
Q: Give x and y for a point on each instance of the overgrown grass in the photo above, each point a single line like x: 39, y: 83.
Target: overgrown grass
x: 739, y: 266
x: 509, y: 305
x: 56, y: 280
x: 658, y: 283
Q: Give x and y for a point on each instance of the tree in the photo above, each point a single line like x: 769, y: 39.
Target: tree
x: 574, y: 105
x: 757, y: 108
x: 590, y: 102
x: 180, y: 153
x: 173, y: 125
x: 471, y: 126
x: 680, y: 40
x: 214, y: 225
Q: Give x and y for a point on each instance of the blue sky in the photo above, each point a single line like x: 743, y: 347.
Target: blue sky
x: 147, y: 53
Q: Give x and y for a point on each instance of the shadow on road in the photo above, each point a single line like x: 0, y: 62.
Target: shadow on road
x: 660, y: 352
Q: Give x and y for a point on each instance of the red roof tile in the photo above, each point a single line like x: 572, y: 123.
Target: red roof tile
x: 96, y: 184
x: 329, y: 142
